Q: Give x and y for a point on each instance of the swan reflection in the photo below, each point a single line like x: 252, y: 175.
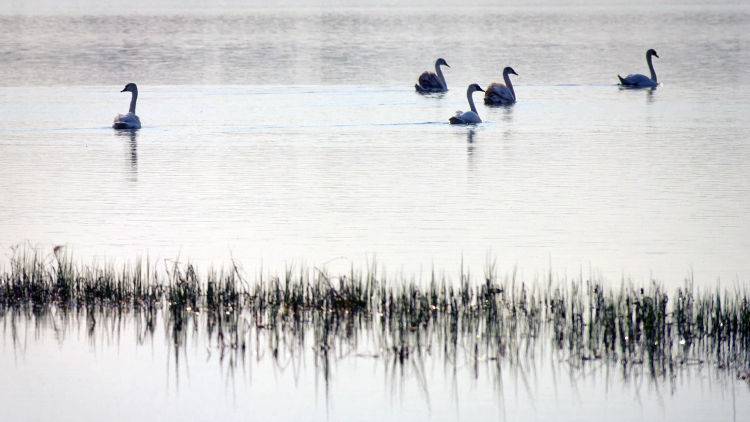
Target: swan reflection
x: 132, y: 142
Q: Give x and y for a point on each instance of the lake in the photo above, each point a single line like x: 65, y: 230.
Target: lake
x: 291, y: 136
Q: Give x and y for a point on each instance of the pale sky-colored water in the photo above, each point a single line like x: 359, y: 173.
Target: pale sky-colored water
x: 71, y: 375
x: 293, y: 135
x: 628, y: 183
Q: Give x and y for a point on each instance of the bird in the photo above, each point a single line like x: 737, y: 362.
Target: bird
x: 469, y: 117
x: 432, y: 82
x: 637, y: 80
x: 501, y: 93
x: 130, y: 120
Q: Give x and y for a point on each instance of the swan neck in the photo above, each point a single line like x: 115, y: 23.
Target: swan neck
x: 133, y: 98
x: 441, y: 78
x: 471, y: 100
x: 651, y: 67
x: 509, y: 84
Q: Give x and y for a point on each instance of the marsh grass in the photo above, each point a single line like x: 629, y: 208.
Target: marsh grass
x: 483, y: 320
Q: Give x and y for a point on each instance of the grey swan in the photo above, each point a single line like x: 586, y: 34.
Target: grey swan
x: 501, y: 93
x: 430, y: 82
x: 129, y: 120
x: 636, y: 80
x: 468, y: 117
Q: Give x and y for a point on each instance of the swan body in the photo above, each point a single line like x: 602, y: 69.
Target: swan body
x: 465, y: 118
x: 432, y: 82
x: 501, y: 93
x: 129, y: 120
x: 468, y: 117
x: 636, y: 80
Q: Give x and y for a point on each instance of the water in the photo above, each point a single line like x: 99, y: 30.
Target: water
x: 292, y: 135
x: 116, y: 370
x: 571, y: 177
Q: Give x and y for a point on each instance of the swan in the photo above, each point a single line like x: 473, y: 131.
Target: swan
x: 432, y: 82
x: 130, y: 120
x: 642, y: 81
x: 469, y: 117
x: 499, y: 93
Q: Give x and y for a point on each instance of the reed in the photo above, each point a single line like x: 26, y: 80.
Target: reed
x: 585, y: 320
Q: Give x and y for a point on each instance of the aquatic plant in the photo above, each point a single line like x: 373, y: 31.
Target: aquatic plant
x: 486, y: 319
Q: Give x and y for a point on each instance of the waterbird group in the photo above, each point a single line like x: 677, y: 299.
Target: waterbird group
x: 497, y: 93
x: 503, y: 94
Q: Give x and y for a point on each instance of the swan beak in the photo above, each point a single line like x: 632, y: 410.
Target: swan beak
x: 481, y: 90
x: 657, y: 56
x: 123, y: 90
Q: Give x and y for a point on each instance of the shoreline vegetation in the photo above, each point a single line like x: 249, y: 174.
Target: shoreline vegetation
x: 479, y: 317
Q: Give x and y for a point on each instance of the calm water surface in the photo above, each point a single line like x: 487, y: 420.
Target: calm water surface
x: 114, y: 370
x: 293, y: 135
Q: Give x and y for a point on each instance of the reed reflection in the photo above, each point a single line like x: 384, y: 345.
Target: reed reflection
x: 479, y: 329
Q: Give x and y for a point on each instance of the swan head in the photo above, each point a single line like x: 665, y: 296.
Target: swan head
x: 441, y: 62
x: 475, y: 87
x: 652, y: 52
x: 131, y: 87
x: 509, y: 71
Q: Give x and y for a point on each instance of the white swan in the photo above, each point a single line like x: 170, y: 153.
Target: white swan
x: 642, y: 81
x: 130, y: 120
x: 432, y: 82
x: 499, y: 93
x: 469, y: 117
